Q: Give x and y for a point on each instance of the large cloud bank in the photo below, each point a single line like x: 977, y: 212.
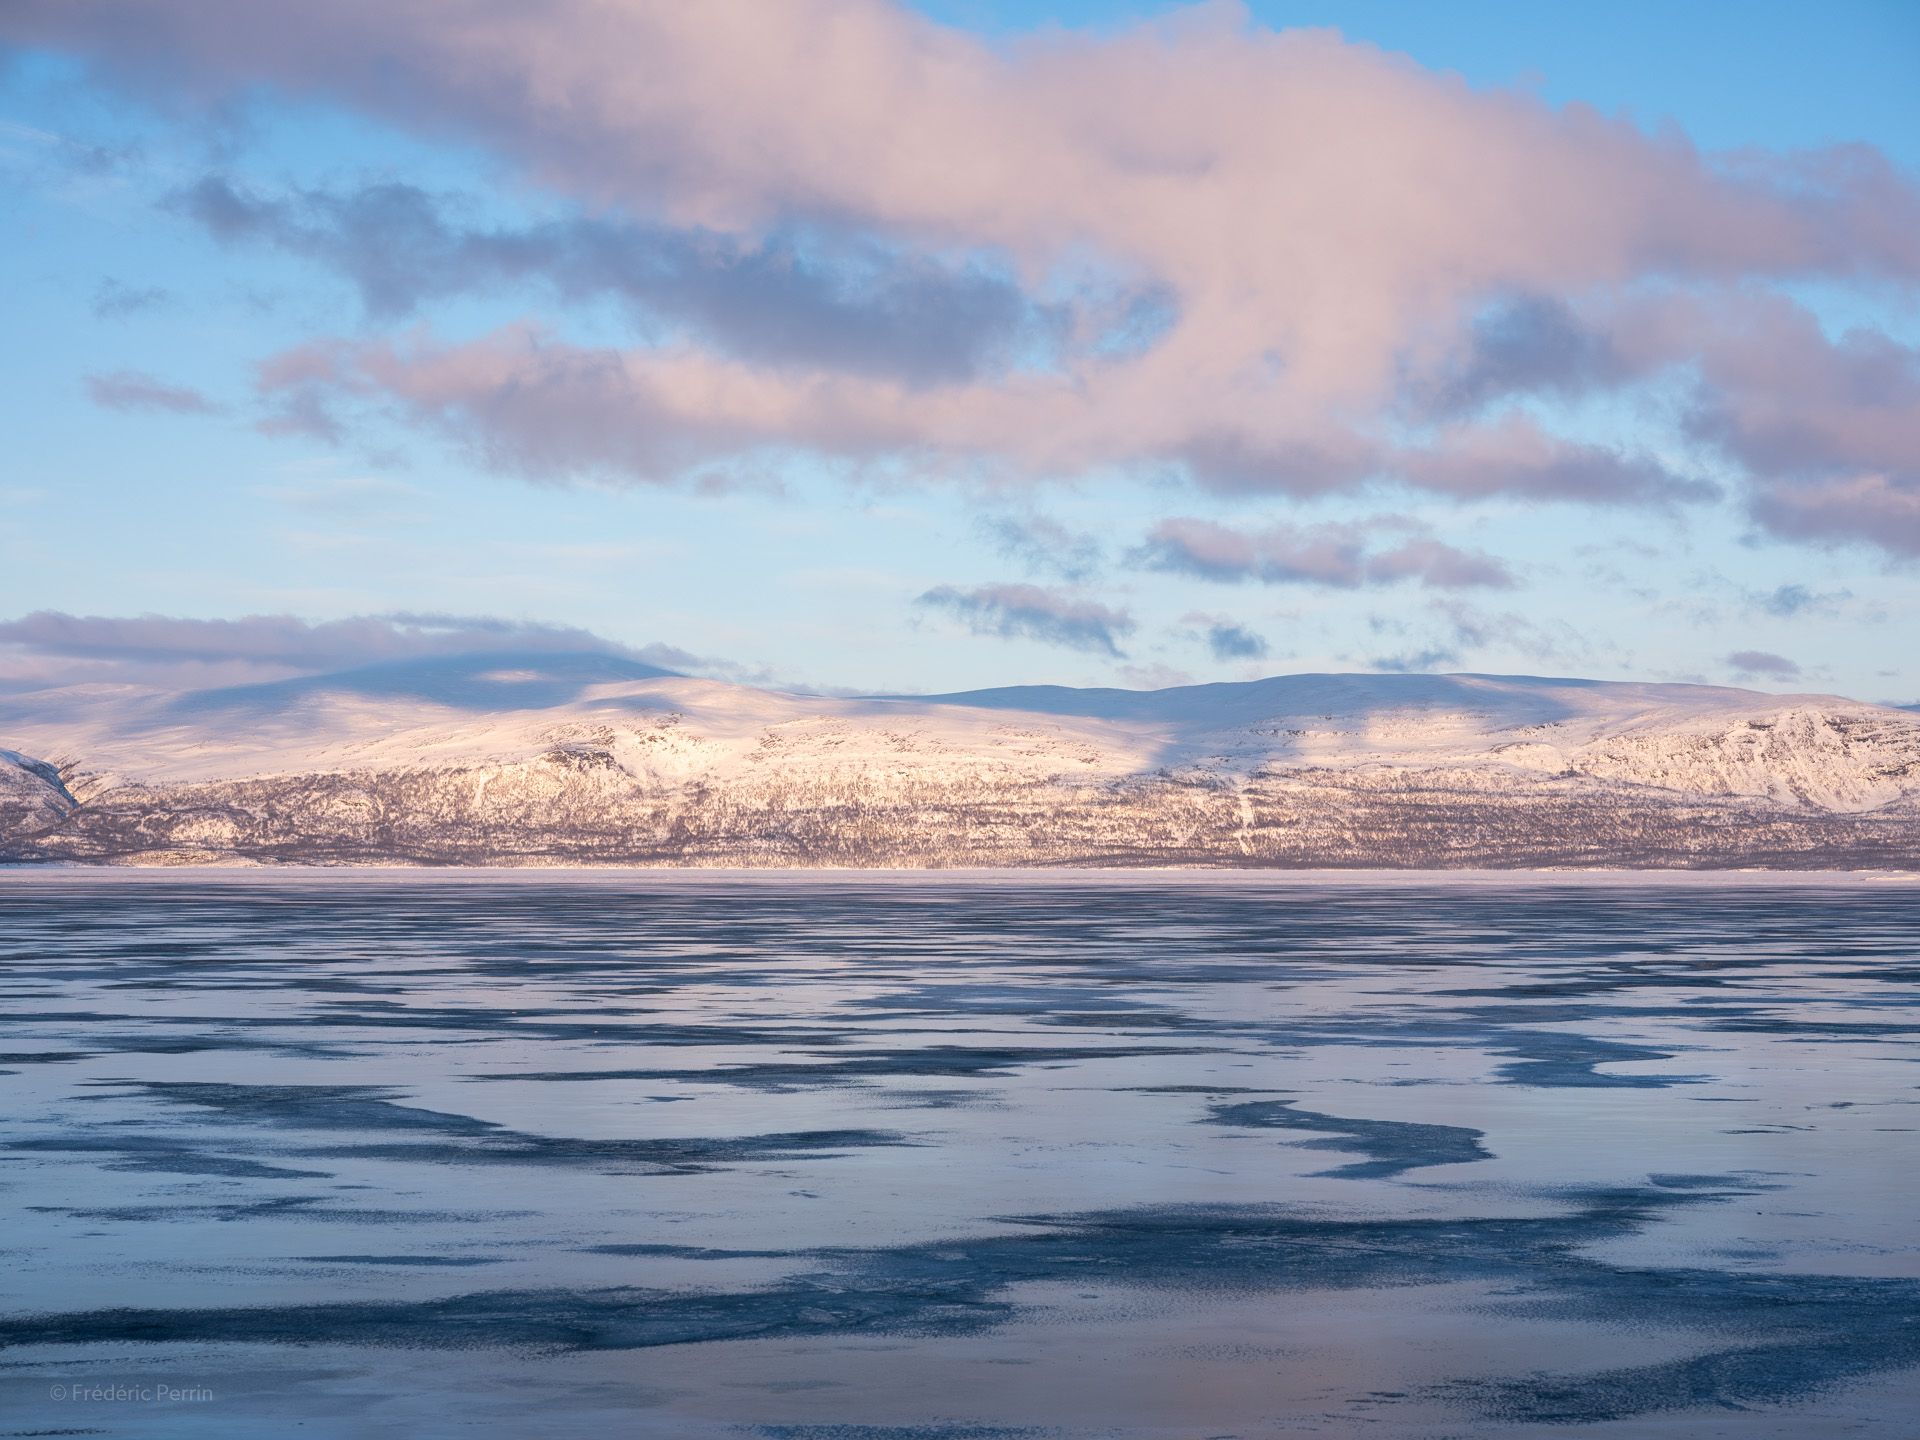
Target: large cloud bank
x: 1279, y: 263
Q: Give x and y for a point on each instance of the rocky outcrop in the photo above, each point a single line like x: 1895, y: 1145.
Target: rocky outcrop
x: 33, y: 798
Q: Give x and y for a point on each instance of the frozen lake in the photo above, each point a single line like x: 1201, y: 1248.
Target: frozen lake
x: 958, y: 1158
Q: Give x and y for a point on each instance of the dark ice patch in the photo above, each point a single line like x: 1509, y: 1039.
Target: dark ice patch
x: 1555, y: 1060
x: 157, y: 1155
x: 445, y: 1138
x: 423, y: 1261
x: 928, y: 1061
x: 1394, y: 1146
x: 1775, y: 1337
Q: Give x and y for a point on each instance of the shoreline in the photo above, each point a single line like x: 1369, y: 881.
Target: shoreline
x: 1038, y: 876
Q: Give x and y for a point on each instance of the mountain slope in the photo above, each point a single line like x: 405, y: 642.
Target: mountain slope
x: 580, y: 758
x: 32, y: 797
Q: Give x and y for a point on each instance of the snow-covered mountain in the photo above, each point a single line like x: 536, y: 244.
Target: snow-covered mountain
x: 586, y: 758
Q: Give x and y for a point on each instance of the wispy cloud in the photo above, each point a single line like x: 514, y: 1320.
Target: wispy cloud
x: 1788, y: 601
x: 1762, y: 664
x: 1448, y: 632
x: 1044, y: 546
x: 1411, y: 662
x: 1341, y: 554
x: 1034, y: 612
x: 133, y: 390
x: 1226, y: 638
x: 113, y: 300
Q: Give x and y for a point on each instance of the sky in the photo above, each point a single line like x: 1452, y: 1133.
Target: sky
x: 864, y: 347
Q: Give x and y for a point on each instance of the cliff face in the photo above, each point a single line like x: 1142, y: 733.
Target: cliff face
x: 606, y: 767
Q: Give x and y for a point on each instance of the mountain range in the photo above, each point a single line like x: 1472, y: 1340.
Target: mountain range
x: 559, y: 759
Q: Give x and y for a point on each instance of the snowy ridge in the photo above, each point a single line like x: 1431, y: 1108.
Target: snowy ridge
x: 555, y: 759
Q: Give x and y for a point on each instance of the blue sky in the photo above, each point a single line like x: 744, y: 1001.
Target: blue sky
x: 220, y: 412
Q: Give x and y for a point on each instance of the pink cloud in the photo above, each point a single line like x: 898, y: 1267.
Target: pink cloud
x: 1514, y: 455
x: 1824, y: 426
x: 1869, y: 508
x: 1325, y: 220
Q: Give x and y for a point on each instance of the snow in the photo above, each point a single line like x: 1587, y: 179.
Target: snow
x: 585, y: 745
x: 499, y: 708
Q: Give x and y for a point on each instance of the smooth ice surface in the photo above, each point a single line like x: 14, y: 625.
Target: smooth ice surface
x: 960, y: 1157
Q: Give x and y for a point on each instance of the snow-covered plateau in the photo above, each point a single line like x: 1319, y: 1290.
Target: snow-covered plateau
x: 546, y: 759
